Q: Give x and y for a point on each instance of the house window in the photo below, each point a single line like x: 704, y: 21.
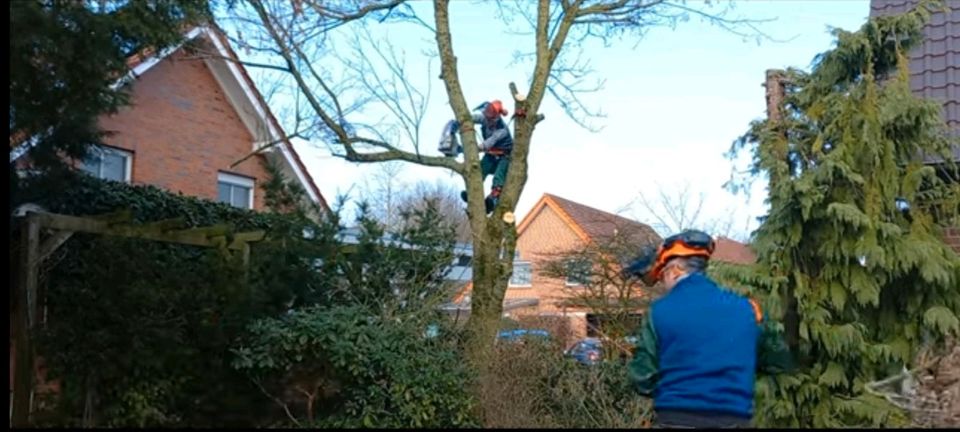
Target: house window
x: 578, y: 272
x: 235, y: 190
x: 522, y: 274
x: 464, y: 261
x: 108, y: 163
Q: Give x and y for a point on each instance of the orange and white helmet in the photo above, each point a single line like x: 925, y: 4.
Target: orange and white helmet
x: 651, y: 262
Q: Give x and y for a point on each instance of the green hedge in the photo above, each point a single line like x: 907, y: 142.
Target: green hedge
x: 82, y: 195
x: 140, y: 331
x: 147, y: 334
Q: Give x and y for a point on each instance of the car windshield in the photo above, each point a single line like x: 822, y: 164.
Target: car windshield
x: 586, y: 345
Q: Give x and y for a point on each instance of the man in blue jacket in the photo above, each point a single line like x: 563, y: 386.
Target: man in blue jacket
x: 497, y: 145
x: 700, y: 345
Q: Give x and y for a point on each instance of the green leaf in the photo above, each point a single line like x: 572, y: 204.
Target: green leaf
x: 838, y: 296
x: 834, y: 376
x: 941, y: 319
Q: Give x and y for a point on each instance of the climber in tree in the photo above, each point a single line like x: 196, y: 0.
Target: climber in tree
x: 497, y: 145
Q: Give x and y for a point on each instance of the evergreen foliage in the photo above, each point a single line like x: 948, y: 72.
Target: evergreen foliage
x: 872, y: 281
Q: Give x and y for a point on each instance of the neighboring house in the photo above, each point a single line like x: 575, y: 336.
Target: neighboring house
x: 191, y: 117
x: 550, y: 231
x: 935, y: 69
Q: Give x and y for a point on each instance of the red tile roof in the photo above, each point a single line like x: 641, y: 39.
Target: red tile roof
x: 599, y: 225
x: 733, y: 252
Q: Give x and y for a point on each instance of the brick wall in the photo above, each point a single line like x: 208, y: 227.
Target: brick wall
x: 544, y: 240
x: 183, y: 130
x: 952, y: 237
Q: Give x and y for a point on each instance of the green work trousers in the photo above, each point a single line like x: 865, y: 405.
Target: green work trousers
x: 496, y: 165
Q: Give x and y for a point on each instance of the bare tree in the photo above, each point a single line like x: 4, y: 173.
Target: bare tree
x: 671, y: 210
x: 387, y: 196
x: 600, y: 287
x: 382, y: 192
x: 298, y: 34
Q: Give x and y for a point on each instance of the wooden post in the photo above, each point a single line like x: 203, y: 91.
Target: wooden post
x: 25, y: 319
x: 246, y: 262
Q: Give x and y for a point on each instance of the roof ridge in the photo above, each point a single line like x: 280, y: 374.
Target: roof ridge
x: 594, y: 224
x: 592, y: 208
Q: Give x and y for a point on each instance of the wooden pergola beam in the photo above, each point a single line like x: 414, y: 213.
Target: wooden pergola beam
x: 32, y: 252
x: 53, y: 243
x: 194, y: 236
x: 219, y: 230
x: 117, y: 217
x: 165, y: 225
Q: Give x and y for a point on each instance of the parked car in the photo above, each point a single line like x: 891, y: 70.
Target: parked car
x: 521, y: 335
x: 589, y: 351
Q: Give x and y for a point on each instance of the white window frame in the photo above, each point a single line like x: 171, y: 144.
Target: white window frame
x: 236, y: 180
x: 519, y: 263
x: 125, y: 154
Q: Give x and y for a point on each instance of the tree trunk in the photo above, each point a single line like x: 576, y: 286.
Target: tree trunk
x: 775, y: 93
x: 494, y: 241
x: 489, y: 288
x: 89, y: 419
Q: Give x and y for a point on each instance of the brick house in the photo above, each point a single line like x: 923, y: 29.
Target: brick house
x: 190, y: 118
x: 552, y: 229
x: 935, y: 70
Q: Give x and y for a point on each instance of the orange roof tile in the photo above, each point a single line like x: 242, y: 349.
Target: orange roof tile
x: 733, y: 252
x: 599, y: 225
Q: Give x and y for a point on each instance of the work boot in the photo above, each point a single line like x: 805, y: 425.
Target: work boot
x: 491, y: 200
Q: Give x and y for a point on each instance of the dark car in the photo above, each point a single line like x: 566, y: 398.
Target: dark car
x: 521, y: 335
x: 589, y: 351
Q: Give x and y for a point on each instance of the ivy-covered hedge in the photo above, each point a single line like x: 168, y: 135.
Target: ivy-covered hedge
x: 139, y: 332
x: 81, y: 195
x: 145, y: 333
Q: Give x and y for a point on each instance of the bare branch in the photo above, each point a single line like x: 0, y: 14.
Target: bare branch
x: 288, y: 49
x: 279, y: 402
x: 344, y: 16
x: 406, y: 103
x: 264, y: 147
x: 197, y: 53
x: 676, y: 210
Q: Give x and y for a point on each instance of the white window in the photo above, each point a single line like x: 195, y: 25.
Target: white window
x: 108, y: 163
x: 235, y: 190
x: 522, y: 274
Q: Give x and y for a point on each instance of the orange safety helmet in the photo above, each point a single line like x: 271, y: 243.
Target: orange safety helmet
x: 649, y: 265
x: 493, y: 108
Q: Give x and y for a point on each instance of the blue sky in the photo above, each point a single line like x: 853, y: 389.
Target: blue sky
x: 674, y: 101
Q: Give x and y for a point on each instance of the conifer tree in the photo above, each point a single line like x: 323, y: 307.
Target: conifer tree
x: 853, y: 238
